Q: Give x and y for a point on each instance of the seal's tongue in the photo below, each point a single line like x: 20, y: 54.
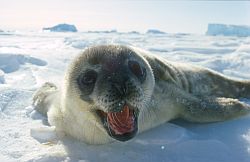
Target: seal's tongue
x: 121, y: 122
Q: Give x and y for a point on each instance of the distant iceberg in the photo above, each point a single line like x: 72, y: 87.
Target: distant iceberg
x: 133, y: 32
x: 228, y: 30
x: 1, y: 30
x: 62, y: 28
x: 155, y: 31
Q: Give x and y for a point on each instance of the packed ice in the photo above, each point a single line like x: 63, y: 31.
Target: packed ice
x: 28, y: 59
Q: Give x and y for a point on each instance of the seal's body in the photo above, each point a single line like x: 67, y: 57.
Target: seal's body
x: 113, y: 92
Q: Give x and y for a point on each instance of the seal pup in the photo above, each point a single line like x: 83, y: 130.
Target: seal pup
x: 112, y: 92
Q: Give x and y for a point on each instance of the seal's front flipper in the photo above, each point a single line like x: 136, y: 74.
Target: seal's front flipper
x: 212, y: 109
x: 42, y: 97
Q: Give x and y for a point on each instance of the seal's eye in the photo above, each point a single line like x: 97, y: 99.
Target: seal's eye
x: 89, y: 77
x: 139, y: 72
x: 86, y: 82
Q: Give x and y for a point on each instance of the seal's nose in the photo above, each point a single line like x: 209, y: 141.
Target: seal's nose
x: 121, y: 88
x: 119, y: 83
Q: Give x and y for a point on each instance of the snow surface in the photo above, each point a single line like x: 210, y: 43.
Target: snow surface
x: 62, y: 28
x: 27, y: 60
x: 228, y: 30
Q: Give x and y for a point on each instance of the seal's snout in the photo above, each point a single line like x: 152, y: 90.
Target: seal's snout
x: 121, y: 88
x: 118, y: 82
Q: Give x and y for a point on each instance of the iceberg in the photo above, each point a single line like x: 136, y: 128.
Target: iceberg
x: 228, y: 30
x: 133, y: 32
x: 155, y: 31
x: 62, y: 28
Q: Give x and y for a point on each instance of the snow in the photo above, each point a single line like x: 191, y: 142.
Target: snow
x: 62, y: 28
x: 28, y: 59
x: 42, y: 134
x: 228, y: 30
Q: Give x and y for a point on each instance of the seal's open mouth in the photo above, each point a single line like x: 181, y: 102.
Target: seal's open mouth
x: 121, y: 125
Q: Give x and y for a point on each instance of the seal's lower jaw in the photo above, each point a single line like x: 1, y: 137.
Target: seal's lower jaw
x: 122, y: 125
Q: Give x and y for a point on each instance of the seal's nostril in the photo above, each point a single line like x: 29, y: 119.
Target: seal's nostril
x: 137, y: 70
x: 121, y: 88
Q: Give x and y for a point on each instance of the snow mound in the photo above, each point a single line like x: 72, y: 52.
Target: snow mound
x: 44, y: 134
x: 228, y: 30
x: 62, y: 28
x: 244, y: 48
x: 216, y: 44
x: 155, y: 31
x: 76, y: 42
x: 11, y: 62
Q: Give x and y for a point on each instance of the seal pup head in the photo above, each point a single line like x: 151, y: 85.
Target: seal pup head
x: 114, y: 84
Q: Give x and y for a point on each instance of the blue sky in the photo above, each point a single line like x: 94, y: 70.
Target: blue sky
x: 123, y: 15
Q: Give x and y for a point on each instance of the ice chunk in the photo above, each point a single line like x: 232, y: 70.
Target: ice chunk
x: 228, y: 30
x: 62, y: 28
x: 11, y: 62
